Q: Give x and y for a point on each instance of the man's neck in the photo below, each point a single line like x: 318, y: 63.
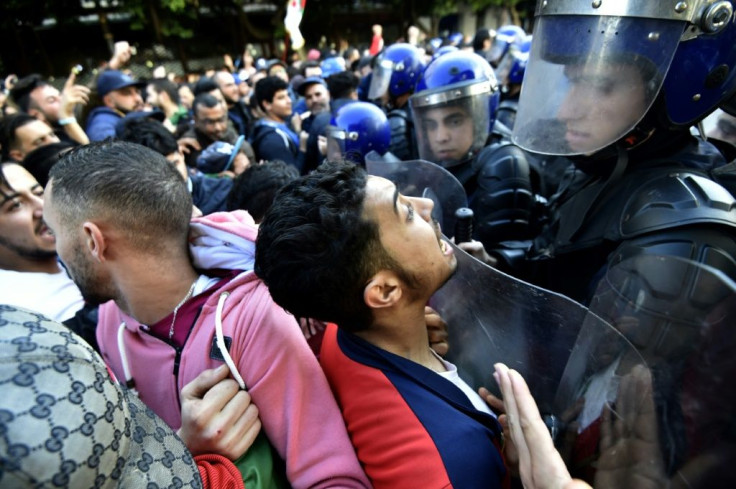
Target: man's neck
x: 169, y: 109
x: 275, y: 118
x: 403, y: 333
x: 150, y: 290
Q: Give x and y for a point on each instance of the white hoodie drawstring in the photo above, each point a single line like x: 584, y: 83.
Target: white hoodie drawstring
x: 219, y: 338
x: 221, y: 341
x: 129, y: 382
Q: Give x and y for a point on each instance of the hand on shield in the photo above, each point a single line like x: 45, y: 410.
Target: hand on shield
x: 630, y: 451
x: 540, y: 465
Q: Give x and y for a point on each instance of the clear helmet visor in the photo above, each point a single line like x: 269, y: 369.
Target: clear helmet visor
x: 341, y: 145
x: 504, y: 66
x: 452, y: 125
x: 590, y: 80
x: 380, y: 79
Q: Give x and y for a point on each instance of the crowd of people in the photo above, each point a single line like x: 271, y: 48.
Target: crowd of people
x: 228, y: 268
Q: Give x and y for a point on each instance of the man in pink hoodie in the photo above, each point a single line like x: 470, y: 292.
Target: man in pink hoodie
x: 179, y: 304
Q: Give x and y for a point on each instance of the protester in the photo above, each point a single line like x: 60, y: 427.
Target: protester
x: 21, y: 133
x: 169, y: 304
x: 119, y: 94
x: 343, y: 247
x: 35, y: 96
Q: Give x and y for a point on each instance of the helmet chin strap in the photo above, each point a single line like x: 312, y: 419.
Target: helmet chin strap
x: 576, y: 209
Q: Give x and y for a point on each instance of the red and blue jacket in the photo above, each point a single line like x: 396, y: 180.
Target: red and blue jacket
x: 410, y: 427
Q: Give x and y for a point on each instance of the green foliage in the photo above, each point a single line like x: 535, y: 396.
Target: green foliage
x: 173, y: 18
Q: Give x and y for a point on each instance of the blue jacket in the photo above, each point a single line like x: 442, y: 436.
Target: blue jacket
x: 101, y: 123
x: 274, y: 141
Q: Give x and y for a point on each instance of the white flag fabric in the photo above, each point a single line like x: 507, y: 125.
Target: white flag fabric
x: 294, y: 13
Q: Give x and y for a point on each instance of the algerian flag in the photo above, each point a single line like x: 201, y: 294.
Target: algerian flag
x: 294, y: 13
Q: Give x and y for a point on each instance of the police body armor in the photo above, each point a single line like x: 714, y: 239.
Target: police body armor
x: 403, y: 141
x: 670, y: 206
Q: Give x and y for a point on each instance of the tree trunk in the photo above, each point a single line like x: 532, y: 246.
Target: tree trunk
x: 155, y: 22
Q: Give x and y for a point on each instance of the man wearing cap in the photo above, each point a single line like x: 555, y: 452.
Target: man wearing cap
x: 119, y: 94
x: 316, y: 98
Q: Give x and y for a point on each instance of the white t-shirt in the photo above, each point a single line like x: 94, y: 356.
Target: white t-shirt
x: 452, y: 376
x: 52, y: 294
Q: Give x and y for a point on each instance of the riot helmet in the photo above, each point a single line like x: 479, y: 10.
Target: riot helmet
x: 396, y: 71
x: 357, y: 129
x: 511, y: 68
x: 506, y: 36
x: 443, y: 50
x: 596, y: 70
x: 332, y: 65
x: 454, y: 108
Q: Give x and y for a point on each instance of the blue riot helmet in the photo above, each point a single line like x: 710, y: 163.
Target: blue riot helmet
x: 396, y: 71
x: 454, y: 108
x: 455, y: 39
x: 511, y: 69
x: 595, y: 73
x: 505, y: 37
x: 435, y: 43
x: 332, y: 65
x: 442, y: 51
x: 357, y: 129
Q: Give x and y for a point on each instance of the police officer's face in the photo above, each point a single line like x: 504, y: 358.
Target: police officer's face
x: 601, y: 107
x: 449, y: 132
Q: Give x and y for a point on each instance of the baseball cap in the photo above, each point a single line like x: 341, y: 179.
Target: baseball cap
x: 65, y: 423
x: 110, y: 80
x: 310, y: 80
x: 218, y: 156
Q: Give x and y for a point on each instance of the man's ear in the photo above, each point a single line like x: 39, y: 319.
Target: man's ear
x: 266, y: 106
x: 108, y: 101
x: 16, y: 154
x: 95, y: 241
x: 383, y: 290
x: 33, y: 112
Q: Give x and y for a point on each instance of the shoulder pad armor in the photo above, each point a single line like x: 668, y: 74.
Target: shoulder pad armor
x: 680, y: 198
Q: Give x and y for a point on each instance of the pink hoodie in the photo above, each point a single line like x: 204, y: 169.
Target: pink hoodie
x: 297, y: 409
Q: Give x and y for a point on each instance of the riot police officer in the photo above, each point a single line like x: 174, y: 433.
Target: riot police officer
x: 510, y: 74
x: 617, y: 94
x: 394, y: 76
x: 454, y: 108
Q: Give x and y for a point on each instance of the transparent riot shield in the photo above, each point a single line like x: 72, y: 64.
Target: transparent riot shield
x: 493, y: 317
x: 419, y: 178
x: 670, y: 413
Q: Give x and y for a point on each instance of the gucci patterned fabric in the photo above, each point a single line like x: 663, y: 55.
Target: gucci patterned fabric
x: 65, y: 423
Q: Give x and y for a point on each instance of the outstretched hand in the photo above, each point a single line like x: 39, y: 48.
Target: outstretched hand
x: 540, y: 465
x: 72, y: 95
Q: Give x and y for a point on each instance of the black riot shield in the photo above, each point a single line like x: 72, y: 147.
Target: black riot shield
x: 419, y: 178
